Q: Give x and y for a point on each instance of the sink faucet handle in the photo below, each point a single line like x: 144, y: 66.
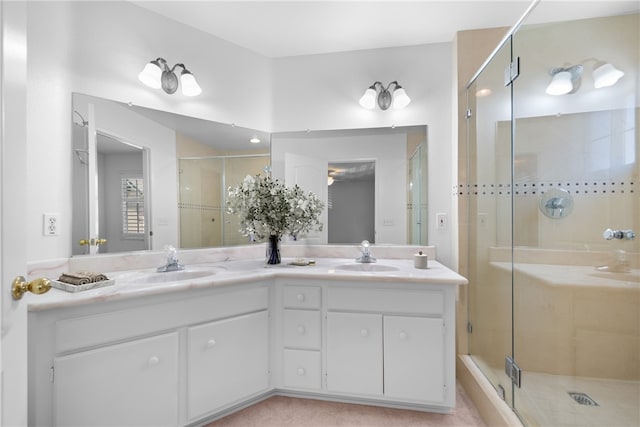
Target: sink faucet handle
x: 172, y: 253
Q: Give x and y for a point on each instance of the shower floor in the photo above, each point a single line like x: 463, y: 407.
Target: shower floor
x: 544, y: 400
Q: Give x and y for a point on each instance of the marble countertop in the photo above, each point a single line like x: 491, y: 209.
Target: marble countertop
x: 147, y: 282
x: 574, y: 275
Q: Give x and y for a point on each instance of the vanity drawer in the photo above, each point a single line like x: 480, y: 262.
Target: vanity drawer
x: 302, y: 369
x: 98, y: 329
x: 302, y: 296
x: 386, y: 301
x: 302, y: 329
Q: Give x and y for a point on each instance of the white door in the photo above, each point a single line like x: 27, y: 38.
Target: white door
x: 354, y: 353
x: 310, y: 174
x: 13, y: 250
x: 228, y: 361
x: 414, y: 358
x: 134, y: 383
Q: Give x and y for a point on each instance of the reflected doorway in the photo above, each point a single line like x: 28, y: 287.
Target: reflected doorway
x: 351, y: 202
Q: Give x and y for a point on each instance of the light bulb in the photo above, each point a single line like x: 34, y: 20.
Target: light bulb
x: 151, y: 74
x: 560, y: 83
x: 400, y: 98
x: 606, y: 75
x: 190, y: 86
x: 368, y: 100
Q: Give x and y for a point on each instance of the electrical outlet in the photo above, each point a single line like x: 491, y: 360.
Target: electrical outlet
x: 441, y: 221
x: 51, y: 224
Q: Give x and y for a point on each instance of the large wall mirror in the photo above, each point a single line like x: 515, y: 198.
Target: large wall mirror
x: 373, y: 181
x: 145, y: 178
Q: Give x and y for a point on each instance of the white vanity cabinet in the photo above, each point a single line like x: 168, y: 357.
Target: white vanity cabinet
x: 118, y: 384
x: 192, y: 352
x: 376, y: 341
x: 301, y: 332
x: 414, y: 367
x: 354, y: 353
x: 391, y: 343
x: 172, y: 359
x: 228, y: 361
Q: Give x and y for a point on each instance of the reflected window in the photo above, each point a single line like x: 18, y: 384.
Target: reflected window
x: 133, y: 207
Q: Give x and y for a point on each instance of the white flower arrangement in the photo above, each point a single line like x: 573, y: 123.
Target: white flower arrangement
x: 267, y: 208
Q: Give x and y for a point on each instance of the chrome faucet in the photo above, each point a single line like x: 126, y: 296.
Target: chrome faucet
x: 172, y: 260
x: 366, y: 253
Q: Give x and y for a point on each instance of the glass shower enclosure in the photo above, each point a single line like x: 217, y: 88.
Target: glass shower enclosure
x: 553, y: 204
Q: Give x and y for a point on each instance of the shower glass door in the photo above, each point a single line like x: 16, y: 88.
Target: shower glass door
x: 489, y: 196
x: 576, y: 313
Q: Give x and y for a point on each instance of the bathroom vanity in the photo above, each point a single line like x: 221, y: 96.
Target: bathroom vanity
x: 184, y: 351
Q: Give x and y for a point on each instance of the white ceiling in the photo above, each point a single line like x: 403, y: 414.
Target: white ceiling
x: 290, y: 28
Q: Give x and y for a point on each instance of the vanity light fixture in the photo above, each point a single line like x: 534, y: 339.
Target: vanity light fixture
x: 385, y: 97
x: 157, y: 74
x: 606, y: 75
x: 565, y: 80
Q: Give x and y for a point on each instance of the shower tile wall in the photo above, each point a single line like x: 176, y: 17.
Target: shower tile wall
x: 203, y: 186
x: 200, y: 202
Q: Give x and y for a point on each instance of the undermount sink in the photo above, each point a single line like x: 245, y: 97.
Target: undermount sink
x: 172, y: 276
x: 366, y: 267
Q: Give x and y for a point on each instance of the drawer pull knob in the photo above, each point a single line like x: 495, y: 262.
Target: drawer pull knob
x: 301, y: 371
x: 364, y: 333
x: 301, y: 330
x: 211, y: 343
x: 154, y: 360
x: 300, y: 297
x: 403, y: 335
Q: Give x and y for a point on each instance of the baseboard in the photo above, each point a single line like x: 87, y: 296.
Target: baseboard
x: 494, y: 411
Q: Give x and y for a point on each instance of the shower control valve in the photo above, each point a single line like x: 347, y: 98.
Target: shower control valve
x: 610, y: 234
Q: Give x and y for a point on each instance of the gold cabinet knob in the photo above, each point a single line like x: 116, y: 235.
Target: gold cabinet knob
x: 20, y: 286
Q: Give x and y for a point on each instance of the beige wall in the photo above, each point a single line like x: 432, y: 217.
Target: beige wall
x: 472, y: 49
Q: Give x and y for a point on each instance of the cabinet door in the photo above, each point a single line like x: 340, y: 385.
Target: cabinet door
x: 354, y: 353
x: 134, y: 383
x: 228, y: 361
x: 414, y: 358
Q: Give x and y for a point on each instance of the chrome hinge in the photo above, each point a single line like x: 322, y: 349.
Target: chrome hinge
x: 513, y: 371
x: 468, y: 113
x: 52, y: 374
x: 501, y: 392
x: 512, y: 71
x: 469, y: 328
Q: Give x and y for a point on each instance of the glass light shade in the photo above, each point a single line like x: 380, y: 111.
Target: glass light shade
x: 400, y: 98
x: 151, y: 74
x: 560, y: 83
x: 190, y: 86
x: 606, y: 75
x: 368, y: 100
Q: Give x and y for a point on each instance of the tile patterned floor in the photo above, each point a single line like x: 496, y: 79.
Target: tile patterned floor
x: 284, y: 412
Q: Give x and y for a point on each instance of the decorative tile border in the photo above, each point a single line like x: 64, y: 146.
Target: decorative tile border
x: 585, y: 187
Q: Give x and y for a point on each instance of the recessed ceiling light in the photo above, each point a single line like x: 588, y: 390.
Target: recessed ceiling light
x: 254, y: 140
